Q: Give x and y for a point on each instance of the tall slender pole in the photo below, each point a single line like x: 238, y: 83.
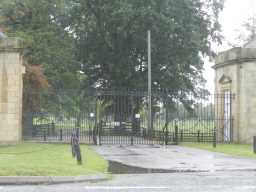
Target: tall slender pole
x: 253, y: 20
x: 149, y: 83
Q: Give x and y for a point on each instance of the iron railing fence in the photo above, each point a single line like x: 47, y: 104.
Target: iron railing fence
x: 121, y: 117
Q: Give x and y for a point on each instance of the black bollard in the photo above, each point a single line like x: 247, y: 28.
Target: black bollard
x: 44, y: 135
x: 166, y: 136
x: 198, y: 136
x: 53, y: 129
x: 132, y: 137
x: 214, y: 138
x: 181, y: 135
x: 176, y: 134
x: 94, y: 135
x: 73, y: 152
x: 254, y: 144
x: 75, y: 148
x: 60, y: 134
x: 78, y: 154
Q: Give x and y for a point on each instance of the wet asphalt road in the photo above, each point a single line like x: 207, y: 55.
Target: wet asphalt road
x: 244, y: 181
x: 176, y: 158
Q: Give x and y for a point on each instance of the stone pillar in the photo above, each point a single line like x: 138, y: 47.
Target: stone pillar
x: 11, y: 70
x: 236, y: 72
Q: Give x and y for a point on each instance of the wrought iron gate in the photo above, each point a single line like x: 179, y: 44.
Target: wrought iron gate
x: 121, y: 117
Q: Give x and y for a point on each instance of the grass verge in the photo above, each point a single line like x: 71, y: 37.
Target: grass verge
x: 33, y: 159
x: 242, y: 150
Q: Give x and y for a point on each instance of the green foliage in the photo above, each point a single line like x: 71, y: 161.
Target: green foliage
x: 111, y: 40
x: 101, y: 107
x: 47, y: 42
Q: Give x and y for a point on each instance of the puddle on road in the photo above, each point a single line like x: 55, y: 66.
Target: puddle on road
x: 119, y: 168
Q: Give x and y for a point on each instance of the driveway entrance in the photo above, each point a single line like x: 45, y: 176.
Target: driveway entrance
x: 175, y: 158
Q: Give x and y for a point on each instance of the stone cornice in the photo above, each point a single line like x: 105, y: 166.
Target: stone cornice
x: 11, y: 44
x: 235, y: 56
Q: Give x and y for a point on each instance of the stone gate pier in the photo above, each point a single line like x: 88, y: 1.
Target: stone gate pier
x: 235, y: 73
x: 11, y: 70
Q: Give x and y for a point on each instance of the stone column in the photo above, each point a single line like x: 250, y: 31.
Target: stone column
x: 11, y: 70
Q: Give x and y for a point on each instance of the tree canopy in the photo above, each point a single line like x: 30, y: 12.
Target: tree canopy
x: 47, y: 43
x: 111, y: 40
x: 107, y: 39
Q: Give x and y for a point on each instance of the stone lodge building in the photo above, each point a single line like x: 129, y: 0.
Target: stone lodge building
x: 235, y: 82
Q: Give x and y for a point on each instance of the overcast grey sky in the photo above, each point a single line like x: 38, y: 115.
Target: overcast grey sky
x: 233, y: 16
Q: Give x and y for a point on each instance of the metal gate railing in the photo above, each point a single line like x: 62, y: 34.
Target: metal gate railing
x: 120, y: 117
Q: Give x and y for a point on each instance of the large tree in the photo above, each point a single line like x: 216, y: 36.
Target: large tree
x: 111, y: 39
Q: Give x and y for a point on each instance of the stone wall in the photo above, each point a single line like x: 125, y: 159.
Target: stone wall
x: 247, y: 101
x: 11, y: 70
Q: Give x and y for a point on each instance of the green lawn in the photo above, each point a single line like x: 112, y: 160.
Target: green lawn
x: 48, y: 159
x: 231, y: 149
